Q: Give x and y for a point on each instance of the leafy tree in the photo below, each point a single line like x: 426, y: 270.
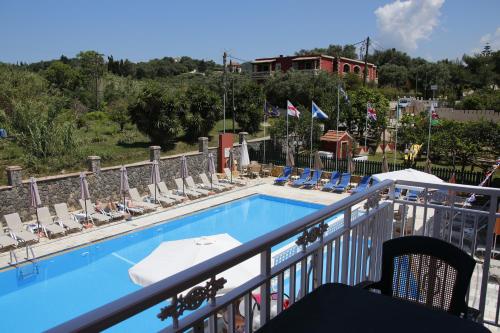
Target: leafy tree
x: 202, y: 109
x: 63, y: 76
x: 118, y: 112
x: 155, y: 115
x: 348, y: 51
x: 249, y: 101
x: 393, y: 75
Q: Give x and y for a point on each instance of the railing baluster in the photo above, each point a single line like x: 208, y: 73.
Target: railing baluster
x: 353, y: 257
x: 328, y: 262
x: 359, y: 259
x: 247, y: 299
x: 293, y: 272
x: 231, y: 327
x: 265, y: 289
x: 337, y: 260
x: 280, y: 293
x: 346, y: 240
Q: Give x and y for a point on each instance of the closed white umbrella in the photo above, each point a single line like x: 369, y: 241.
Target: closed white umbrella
x: 210, y: 166
x: 184, y: 171
x: 35, y: 199
x: 176, y: 256
x: 154, y: 178
x: 124, y: 186
x: 84, y: 192
x: 244, y: 158
x: 318, y: 164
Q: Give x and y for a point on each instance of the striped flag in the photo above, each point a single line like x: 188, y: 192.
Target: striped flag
x: 434, y: 116
x: 344, y: 94
x: 292, y: 110
x: 371, y: 113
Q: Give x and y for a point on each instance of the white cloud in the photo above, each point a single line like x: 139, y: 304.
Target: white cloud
x: 402, y: 24
x: 492, y: 38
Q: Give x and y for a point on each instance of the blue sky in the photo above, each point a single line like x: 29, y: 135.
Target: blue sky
x: 32, y: 30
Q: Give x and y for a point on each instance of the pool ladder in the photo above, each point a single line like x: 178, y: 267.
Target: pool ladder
x: 30, y: 256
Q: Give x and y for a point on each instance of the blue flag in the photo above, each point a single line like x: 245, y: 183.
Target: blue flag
x: 271, y: 111
x: 317, y: 113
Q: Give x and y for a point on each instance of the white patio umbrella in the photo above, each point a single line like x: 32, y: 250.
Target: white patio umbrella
x: 385, y: 165
x: 409, y: 175
x: 230, y: 163
x: 318, y: 163
x: 211, y: 167
x: 176, y: 256
x: 84, y: 192
x: 35, y: 199
x: 244, y: 158
x: 184, y: 171
x: 154, y: 178
x: 124, y: 186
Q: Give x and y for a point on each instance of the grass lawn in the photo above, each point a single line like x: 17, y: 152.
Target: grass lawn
x: 103, y: 138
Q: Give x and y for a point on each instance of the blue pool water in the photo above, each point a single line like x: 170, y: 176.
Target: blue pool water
x: 80, y: 280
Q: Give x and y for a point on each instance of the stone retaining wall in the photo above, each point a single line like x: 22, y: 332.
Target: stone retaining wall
x: 103, y: 185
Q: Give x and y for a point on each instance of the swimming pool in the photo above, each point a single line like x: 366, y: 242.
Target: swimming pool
x: 80, y: 280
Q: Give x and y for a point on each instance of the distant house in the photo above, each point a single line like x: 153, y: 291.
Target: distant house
x: 262, y: 68
x: 333, y: 139
x: 234, y: 67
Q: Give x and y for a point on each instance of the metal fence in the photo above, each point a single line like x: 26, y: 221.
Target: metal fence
x: 361, y: 168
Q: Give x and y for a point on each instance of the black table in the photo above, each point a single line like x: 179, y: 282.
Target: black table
x: 339, y: 308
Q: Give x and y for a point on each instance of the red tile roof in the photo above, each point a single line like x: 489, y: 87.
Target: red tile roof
x: 334, y: 136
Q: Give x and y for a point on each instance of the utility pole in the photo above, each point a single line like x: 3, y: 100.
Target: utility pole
x: 224, y: 58
x: 365, y: 74
x: 234, y: 107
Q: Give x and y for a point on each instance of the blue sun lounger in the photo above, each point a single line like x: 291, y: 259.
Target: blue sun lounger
x: 303, y: 178
x: 287, y: 172
x: 397, y: 193
x: 363, y: 184
x: 334, y: 179
x: 412, y: 195
x: 314, y: 179
x: 344, y: 183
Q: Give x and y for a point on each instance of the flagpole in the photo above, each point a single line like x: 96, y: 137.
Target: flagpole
x: 264, y: 159
x: 337, y: 129
x: 286, y: 128
x: 366, y: 137
x: 430, y: 125
x: 312, y: 119
x: 396, y: 144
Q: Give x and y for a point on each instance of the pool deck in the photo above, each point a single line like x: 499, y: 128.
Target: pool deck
x: 46, y: 247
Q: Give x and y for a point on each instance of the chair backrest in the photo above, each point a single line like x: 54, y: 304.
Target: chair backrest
x: 151, y: 188
x: 287, y: 171
x: 365, y: 180
x: 334, y: 177
x: 427, y: 271
x: 345, y: 179
x: 190, y: 182
x: 227, y: 172
x: 134, y: 194
x: 14, y: 222
x: 317, y: 174
x: 44, y: 215
x: 204, y: 179
x: 178, y: 183
x: 87, y: 205
x: 62, y: 211
x: 306, y: 173
x: 163, y: 187
x: 215, y: 179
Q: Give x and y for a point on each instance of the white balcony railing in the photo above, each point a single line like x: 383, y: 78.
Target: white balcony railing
x: 322, y: 250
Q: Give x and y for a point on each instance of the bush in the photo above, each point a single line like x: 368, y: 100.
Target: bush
x: 202, y: 108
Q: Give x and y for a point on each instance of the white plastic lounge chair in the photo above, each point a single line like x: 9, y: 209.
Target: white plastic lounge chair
x: 17, y: 230
x: 138, y: 201
x: 210, y: 186
x: 47, y: 222
x: 6, y: 241
x: 65, y: 219
x: 169, y: 193
x: 91, y: 212
x: 235, y: 180
x: 186, y: 190
x: 215, y: 180
x: 113, y: 214
x: 159, y: 198
x: 193, y: 186
x: 130, y: 209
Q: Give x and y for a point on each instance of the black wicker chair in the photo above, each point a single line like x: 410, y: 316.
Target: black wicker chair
x: 427, y: 271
